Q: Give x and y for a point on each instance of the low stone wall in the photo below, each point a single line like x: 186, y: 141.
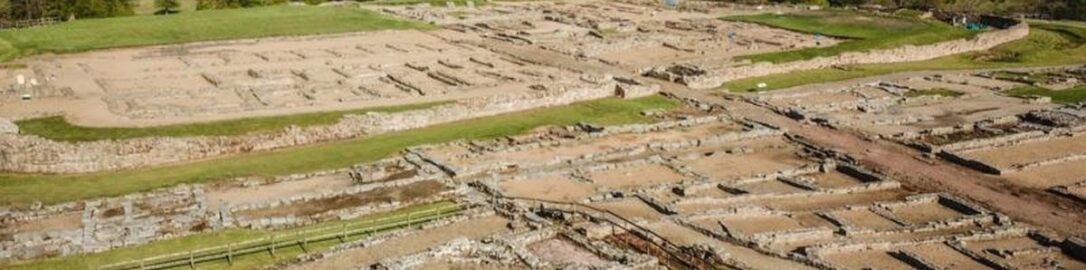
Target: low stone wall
x: 908, y: 53
x: 961, y: 157
x: 33, y: 154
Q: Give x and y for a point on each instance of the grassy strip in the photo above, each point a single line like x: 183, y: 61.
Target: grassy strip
x: 282, y: 20
x: 1067, y: 96
x: 224, y: 237
x: 21, y: 190
x: 864, y: 31
x: 57, y: 128
x: 434, y: 3
x: 1047, y: 45
x: 934, y: 92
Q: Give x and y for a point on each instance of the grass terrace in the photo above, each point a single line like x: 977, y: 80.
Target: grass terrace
x: 863, y: 32
x: 22, y: 189
x: 204, y: 25
x: 57, y: 128
x: 1047, y: 45
x: 1067, y: 96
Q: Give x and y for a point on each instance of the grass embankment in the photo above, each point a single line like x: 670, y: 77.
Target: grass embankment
x: 225, y: 237
x: 1067, y: 96
x: 57, y: 128
x: 1046, y: 45
x: 204, y: 25
x: 21, y: 190
x: 863, y: 31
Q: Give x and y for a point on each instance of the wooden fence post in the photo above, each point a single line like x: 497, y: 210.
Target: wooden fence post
x: 272, y: 247
x: 343, y: 233
x: 230, y: 254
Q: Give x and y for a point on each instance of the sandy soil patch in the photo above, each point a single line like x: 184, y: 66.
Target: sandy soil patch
x: 1029, y: 261
x: 873, y: 259
x: 1004, y: 157
x: 276, y: 191
x: 762, y: 161
x: 559, y: 251
x: 922, y: 213
x: 637, y: 176
x: 942, y: 255
x: 555, y: 188
x: 866, y: 219
x: 1052, y: 175
x: 631, y: 209
x: 758, y: 224
x: 835, y: 200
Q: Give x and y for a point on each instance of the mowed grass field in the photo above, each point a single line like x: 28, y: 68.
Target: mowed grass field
x: 1067, y: 96
x: 18, y: 190
x: 57, y: 128
x: 863, y: 32
x: 220, y: 238
x: 1048, y: 44
x: 205, y: 25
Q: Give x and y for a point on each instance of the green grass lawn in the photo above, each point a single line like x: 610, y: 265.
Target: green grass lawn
x: 281, y: 20
x: 864, y: 32
x: 21, y: 190
x: 1046, y: 45
x: 219, y: 238
x: 1067, y: 96
x: 57, y: 128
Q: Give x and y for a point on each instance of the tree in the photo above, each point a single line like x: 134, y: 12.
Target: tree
x: 166, y: 7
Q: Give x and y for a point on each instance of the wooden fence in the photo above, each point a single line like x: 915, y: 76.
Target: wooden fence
x: 28, y: 23
x: 300, y: 239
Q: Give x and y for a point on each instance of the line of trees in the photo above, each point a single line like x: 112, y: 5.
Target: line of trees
x: 218, y: 4
x: 1058, y: 9
x: 14, y: 10
x: 33, y: 9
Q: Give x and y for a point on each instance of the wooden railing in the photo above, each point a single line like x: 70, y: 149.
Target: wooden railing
x: 676, y: 258
x: 278, y: 241
x: 28, y: 23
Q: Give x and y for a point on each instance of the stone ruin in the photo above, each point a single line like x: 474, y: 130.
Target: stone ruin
x: 32, y: 154
x: 711, y: 78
